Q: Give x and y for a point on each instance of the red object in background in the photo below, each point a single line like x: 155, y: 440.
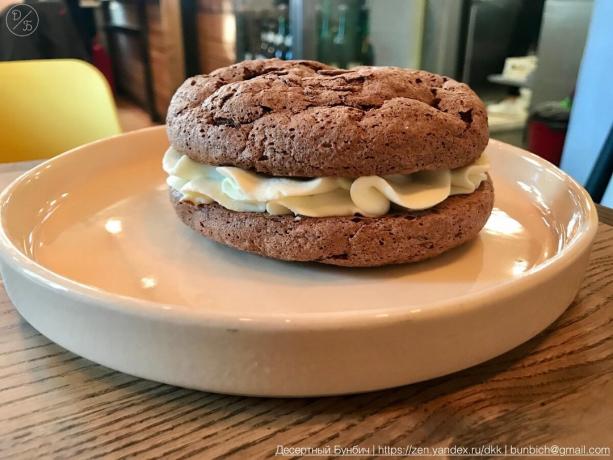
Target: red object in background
x: 546, y: 141
x: 102, y: 61
x: 546, y: 131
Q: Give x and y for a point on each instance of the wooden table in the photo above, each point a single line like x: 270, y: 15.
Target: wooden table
x: 555, y: 390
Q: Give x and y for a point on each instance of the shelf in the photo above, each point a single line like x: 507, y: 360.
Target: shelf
x: 502, y: 80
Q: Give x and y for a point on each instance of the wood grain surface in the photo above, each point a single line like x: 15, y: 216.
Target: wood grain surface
x: 605, y: 214
x: 556, y: 389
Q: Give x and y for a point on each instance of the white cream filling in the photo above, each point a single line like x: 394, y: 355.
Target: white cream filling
x: 372, y: 196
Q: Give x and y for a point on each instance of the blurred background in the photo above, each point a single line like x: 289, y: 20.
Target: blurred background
x: 541, y: 66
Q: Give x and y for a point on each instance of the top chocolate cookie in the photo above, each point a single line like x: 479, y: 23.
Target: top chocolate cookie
x: 304, y: 118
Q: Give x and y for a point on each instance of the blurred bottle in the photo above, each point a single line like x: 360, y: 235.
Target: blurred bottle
x: 341, y: 44
x: 289, y: 54
x: 325, y: 42
x: 279, y: 38
x: 261, y: 54
x: 367, y: 53
x: 265, y: 40
x: 271, y: 38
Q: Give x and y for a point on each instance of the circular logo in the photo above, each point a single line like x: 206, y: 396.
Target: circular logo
x: 22, y: 20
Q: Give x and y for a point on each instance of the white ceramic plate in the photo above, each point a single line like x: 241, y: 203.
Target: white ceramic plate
x: 95, y: 259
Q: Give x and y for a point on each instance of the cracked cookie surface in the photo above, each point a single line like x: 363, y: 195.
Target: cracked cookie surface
x: 307, y: 119
x: 398, y: 237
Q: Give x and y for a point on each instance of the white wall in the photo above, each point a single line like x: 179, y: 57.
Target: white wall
x: 592, y: 113
x: 560, y: 48
x: 396, y: 31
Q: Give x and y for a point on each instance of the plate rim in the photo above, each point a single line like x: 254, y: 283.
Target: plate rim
x: 44, y: 277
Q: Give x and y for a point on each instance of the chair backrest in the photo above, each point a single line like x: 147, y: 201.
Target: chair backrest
x: 602, y: 171
x: 50, y: 106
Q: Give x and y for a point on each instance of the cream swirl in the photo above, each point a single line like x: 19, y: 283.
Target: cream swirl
x: 240, y: 190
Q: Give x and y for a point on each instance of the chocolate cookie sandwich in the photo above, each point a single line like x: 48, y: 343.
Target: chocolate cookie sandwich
x: 300, y: 161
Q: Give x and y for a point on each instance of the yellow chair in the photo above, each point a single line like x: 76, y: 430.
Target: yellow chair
x: 50, y: 106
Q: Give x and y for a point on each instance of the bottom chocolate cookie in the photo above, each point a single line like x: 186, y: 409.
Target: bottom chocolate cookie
x: 352, y: 241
